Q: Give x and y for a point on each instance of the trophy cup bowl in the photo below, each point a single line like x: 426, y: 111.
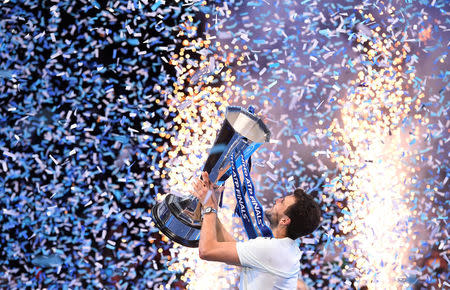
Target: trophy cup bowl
x: 179, y: 217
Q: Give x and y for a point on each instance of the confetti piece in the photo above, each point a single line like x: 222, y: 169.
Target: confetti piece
x: 47, y: 261
x: 54, y: 160
x: 156, y: 5
x: 272, y: 84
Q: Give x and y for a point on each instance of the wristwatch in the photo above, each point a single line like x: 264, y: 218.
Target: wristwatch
x: 208, y: 210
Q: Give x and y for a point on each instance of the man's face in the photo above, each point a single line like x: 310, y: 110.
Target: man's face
x: 275, y: 213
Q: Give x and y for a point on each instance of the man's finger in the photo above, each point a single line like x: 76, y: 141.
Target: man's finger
x: 205, y: 176
x: 208, y: 182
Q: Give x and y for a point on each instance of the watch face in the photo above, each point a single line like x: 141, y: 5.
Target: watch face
x: 208, y: 210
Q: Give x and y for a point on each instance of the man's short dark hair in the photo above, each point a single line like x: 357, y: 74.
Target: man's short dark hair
x: 304, y: 215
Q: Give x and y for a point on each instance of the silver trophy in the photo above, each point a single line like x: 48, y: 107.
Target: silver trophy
x: 179, y: 218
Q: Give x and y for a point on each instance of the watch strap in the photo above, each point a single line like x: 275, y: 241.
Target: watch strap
x: 208, y: 210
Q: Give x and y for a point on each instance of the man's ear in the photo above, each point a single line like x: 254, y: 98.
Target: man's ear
x: 285, y: 220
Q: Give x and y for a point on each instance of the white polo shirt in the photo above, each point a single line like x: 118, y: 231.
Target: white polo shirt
x: 269, y: 263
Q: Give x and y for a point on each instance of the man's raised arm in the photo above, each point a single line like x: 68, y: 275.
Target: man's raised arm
x: 222, y: 234
x: 210, y: 248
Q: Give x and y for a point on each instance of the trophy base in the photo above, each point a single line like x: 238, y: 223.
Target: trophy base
x: 171, y: 222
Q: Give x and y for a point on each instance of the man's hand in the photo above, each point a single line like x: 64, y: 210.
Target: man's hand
x: 205, y: 191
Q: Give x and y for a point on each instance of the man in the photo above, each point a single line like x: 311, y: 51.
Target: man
x: 267, y: 263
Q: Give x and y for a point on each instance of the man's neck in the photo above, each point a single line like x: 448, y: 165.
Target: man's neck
x: 279, y: 233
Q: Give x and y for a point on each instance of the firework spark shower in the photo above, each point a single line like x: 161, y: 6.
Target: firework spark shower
x: 108, y: 106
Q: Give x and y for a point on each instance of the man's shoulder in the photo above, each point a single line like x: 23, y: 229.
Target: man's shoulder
x: 271, y: 240
x: 259, y: 240
x: 265, y: 242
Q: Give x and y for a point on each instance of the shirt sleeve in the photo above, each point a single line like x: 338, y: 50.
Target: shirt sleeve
x: 256, y: 253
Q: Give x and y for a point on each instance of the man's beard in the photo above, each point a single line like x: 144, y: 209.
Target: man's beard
x: 271, y: 218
